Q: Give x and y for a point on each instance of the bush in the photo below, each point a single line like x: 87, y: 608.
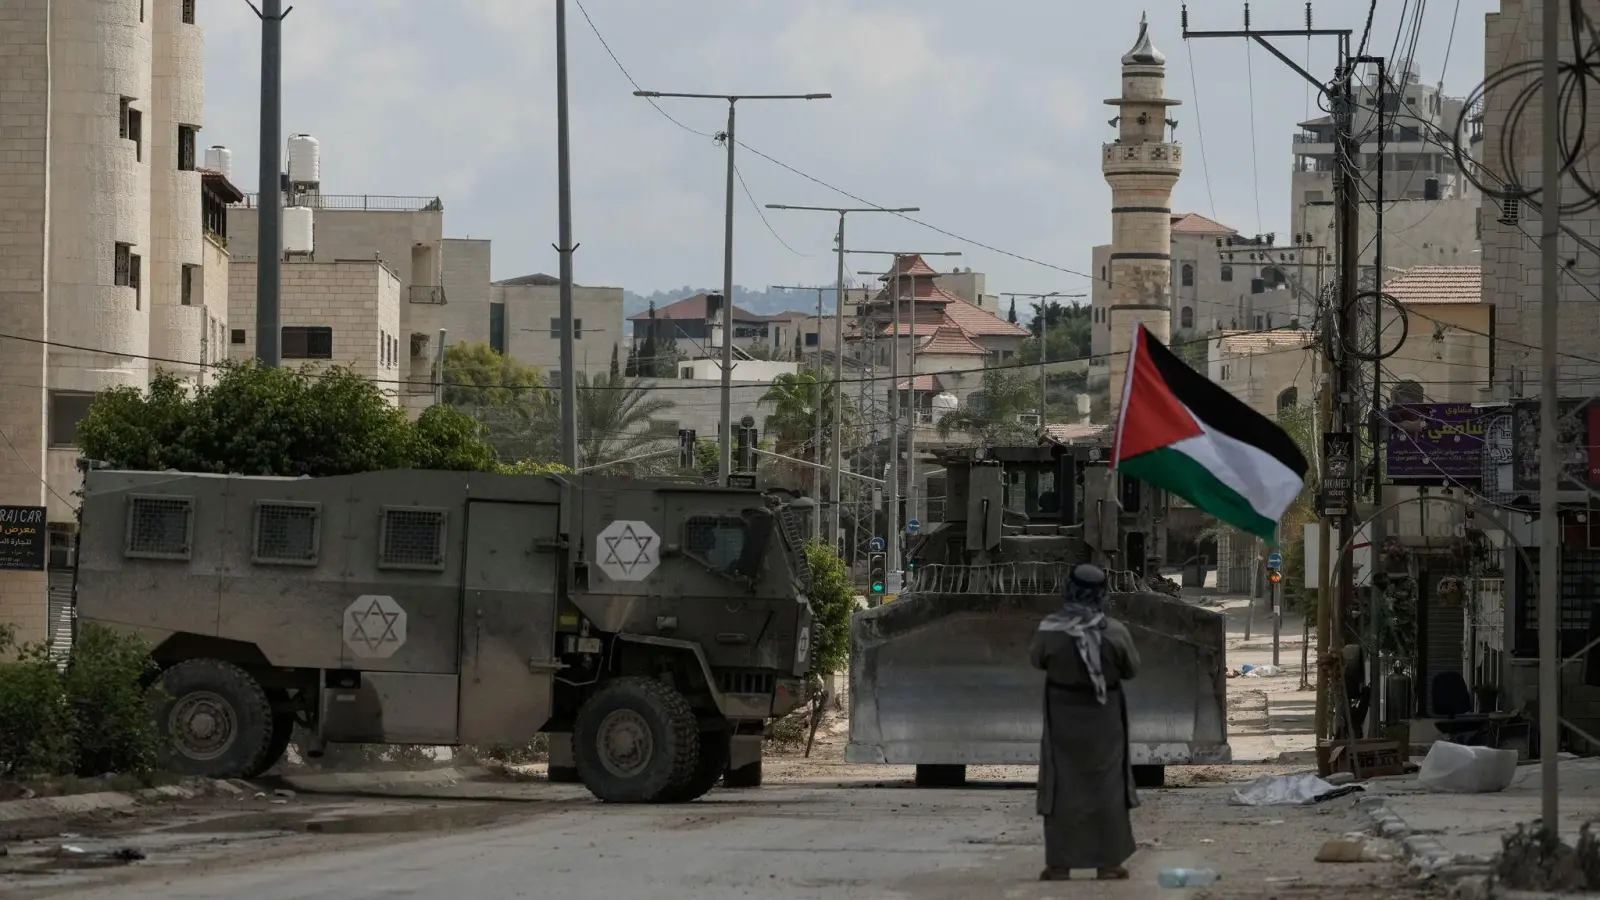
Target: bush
x: 90, y: 720
x: 833, y: 599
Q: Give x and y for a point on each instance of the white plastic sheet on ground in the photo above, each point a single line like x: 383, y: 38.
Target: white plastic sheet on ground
x: 1456, y: 769
x: 1288, y: 790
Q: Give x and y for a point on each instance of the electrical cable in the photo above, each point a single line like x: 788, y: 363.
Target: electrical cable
x: 1200, y: 128
x: 1255, y: 166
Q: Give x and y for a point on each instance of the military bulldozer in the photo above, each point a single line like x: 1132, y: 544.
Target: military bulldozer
x: 939, y: 676
x: 650, y: 628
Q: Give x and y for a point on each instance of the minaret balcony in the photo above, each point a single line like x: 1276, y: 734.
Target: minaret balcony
x: 1139, y: 158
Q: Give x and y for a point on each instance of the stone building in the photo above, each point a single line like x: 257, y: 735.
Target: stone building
x: 109, y: 264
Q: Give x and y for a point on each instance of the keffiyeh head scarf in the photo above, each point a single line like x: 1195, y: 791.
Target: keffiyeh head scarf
x: 1082, y: 617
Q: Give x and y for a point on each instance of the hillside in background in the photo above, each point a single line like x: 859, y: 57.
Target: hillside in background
x: 763, y: 302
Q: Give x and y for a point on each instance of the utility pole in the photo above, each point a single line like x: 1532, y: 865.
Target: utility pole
x: 893, y: 537
x: 1339, y: 394
x: 1375, y: 587
x: 269, y: 189
x: 838, y: 347
x: 819, y: 399
x: 1044, y: 339
x: 1549, y: 530
x: 725, y: 429
x: 565, y: 247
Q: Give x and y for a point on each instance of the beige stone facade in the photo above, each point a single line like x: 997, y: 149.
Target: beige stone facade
x: 1142, y: 167
x: 342, y: 313
x: 100, y: 217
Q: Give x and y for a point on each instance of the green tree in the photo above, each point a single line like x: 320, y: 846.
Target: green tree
x: 992, y: 417
x: 833, y: 599
x: 508, y: 398
x: 256, y: 420
x: 793, y: 401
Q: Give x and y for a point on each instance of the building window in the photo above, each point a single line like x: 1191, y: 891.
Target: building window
x: 186, y: 135
x: 811, y: 339
x: 1288, y: 398
x: 141, y: 10
x: 130, y: 127
x: 1227, y: 273
x: 1186, y: 317
x: 124, y: 253
x: 67, y: 409
x: 555, y: 329
x: 187, y: 285
x: 1224, y: 373
x: 497, y: 327
x: 686, y: 372
x: 1102, y: 273
x: 307, y: 342
x: 1408, y: 392
x: 1258, y: 323
x: 236, y: 336
x: 1188, y: 275
x: 188, y: 12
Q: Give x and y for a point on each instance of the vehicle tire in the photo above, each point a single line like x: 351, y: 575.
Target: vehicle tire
x: 564, y: 775
x: 708, y: 769
x: 282, y: 729
x: 214, y: 719
x: 941, y: 776
x: 1149, y: 776
x: 746, y: 776
x: 634, y: 740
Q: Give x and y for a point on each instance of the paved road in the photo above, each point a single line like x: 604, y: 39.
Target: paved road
x: 783, y: 843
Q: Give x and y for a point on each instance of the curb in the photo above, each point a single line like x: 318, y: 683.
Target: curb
x: 1426, y: 856
x: 14, y: 811
x: 337, y: 782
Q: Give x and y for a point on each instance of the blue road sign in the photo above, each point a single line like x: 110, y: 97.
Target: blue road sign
x: 876, y: 545
x: 913, y: 526
x: 1274, y: 560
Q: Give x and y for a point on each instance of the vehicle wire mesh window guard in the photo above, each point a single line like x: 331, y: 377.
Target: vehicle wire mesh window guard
x: 288, y: 533
x: 715, y: 540
x: 159, y: 527
x: 412, y: 539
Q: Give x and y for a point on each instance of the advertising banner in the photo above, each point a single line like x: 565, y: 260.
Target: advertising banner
x: 1436, y: 441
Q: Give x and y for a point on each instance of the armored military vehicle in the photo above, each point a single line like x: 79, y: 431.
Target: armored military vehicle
x: 940, y: 678
x: 650, y: 627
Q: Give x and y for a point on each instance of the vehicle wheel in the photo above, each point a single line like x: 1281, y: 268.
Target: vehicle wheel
x: 282, y: 729
x: 708, y: 769
x: 941, y: 776
x: 564, y: 775
x: 746, y: 776
x: 635, y: 739
x: 214, y: 719
x: 1149, y: 776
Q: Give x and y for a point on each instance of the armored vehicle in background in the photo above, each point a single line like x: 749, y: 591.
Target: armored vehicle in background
x: 651, y: 628
x: 940, y: 677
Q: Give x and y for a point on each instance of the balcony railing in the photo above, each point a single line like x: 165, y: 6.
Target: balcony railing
x: 427, y: 293
x: 359, y: 202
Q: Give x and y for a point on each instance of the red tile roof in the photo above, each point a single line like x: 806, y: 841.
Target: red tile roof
x: 694, y: 308
x: 926, y: 383
x: 1194, y: 223
x: 913, y: 265
x: 950, y: 340
x: 1437, y: 284
x: 219, y: 183
x: 981, y: 322
x: 1078, y: 433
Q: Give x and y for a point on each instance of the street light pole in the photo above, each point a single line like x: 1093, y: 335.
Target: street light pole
x: 838, y: 348
x: 569, y: 377
x: 269, y: 190
x: 725, y: 435
x: 1044, y: 337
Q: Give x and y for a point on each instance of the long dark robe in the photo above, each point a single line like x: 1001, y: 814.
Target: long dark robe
x: 1085, y: 776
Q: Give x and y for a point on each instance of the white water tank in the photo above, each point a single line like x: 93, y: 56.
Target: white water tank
x: 220, y: 159
x: 944, y: 403
x: 299, y: 233
x: 305, y: 160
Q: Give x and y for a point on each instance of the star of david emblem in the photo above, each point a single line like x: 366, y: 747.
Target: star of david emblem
x: 626, y: 550
x: 375, y: 626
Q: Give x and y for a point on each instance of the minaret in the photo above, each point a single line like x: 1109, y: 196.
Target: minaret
x: 1142, y: 167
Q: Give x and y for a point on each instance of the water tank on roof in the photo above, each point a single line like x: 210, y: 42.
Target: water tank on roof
x: 220, y: 159
x: 299, y: 231
x: 305, y: 160
x: 944, y: 403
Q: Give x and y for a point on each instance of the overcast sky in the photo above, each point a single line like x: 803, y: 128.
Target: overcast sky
x: 988, y: 116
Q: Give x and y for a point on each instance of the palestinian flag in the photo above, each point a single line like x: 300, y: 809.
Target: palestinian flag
x: 1183, y: 433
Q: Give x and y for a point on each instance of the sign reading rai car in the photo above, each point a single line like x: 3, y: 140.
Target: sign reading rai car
x: 23, y: 541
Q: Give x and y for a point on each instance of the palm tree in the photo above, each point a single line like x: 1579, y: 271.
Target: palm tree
x: 614, y: 414
x: 993, y: 418
x: 794, y: 400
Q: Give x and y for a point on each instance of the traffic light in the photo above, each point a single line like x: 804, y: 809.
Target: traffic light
x: 1275, y: 576
x: 877, y: 574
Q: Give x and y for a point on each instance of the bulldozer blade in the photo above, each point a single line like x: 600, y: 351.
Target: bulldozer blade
x: 944, y: 679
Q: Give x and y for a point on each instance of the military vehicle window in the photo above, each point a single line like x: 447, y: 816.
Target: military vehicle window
x: 288, y: 533
x: 159, y: 527
x: 412, y: 539
x: 1031, y: 490
x: 717, y: 541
